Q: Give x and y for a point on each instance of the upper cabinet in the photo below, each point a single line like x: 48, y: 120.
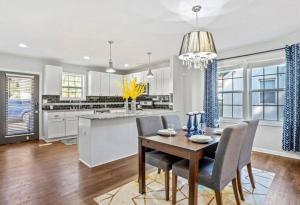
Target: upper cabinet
x: 162, y: 83
x: 115, y: 84
x: 94, y: 85
x: 104, y: 84
x: 104, y: 88
x: 52, y: 80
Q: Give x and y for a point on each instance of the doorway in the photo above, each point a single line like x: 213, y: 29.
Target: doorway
x: 19, y: 102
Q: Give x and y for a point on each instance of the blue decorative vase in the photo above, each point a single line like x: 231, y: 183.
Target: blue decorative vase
x: 189, y: 125
x: 202, y: 123
x: 196, y: 131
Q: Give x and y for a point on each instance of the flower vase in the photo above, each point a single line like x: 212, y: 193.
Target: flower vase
x: 126, y: 106
x: 133, y: 106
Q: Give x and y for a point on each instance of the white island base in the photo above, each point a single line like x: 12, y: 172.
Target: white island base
x: 105, y: 138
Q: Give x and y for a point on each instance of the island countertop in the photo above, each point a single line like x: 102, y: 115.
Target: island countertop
x: 123, y: 114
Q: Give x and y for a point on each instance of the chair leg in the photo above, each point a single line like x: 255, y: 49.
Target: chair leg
x: 158, y: 171
x: 235, y: 190
x: 239, y: 183
x: 219, y: 198
x: 249, y: 168
x: 167, y: 183
x: 174, y: 188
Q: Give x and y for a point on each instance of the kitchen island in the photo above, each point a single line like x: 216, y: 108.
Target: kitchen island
x: 107, y: 137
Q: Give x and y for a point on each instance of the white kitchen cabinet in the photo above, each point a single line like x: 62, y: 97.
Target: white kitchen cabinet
x: 71, y: 123
x: 104, y: 82
x: 166, y: 80
x: 55, y: 125
x: 61, y: 124
x: 115, y: 84
x: 159, y: 81
x: 94, y: 79
x: 52, y: 80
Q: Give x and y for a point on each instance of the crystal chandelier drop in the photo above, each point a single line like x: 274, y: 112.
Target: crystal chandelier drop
x: 197, y: 47
x: 110, y: 68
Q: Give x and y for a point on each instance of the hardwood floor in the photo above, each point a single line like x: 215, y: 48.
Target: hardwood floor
x: 39, y: 173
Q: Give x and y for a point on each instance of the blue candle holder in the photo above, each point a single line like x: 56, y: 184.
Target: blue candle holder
x: 189, y: 125
x: 196, y: 130
x: 202, y: 122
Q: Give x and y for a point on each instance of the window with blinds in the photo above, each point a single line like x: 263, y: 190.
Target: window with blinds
x: 19, y: 104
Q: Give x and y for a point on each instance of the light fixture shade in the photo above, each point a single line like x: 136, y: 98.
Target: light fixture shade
x: 198, y: 44
x: 150, y: 74
x: 110, y: 70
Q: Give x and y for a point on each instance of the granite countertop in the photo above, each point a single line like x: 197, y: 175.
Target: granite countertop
x: 114, y: 115
x: 79, y: 110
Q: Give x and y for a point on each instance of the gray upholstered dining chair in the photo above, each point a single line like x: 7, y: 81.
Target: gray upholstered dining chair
x: 171, y: 119
x: 245, y: 155
x: 216, y: 173
x: 148, y: 126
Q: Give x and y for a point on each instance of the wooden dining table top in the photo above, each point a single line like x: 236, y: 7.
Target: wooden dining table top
x: 180, y: 140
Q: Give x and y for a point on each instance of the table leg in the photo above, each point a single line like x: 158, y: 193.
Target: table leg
x: 141, y: 168
x: 193, y: 179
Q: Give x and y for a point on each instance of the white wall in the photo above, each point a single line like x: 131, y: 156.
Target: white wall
x: 188, y: 86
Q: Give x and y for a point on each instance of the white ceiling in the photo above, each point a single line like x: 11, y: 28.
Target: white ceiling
x: 67, y: 30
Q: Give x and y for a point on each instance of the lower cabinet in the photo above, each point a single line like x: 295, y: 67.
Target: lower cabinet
x: 61, y: 124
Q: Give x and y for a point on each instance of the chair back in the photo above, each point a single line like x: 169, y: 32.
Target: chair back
x: 171, y: 119
x: 149, y: 125
x: 245, y: 156
x: 227, y: 154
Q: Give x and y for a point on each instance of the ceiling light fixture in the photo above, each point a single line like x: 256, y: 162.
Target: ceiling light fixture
x: 22, y: 45
x: 110, y: 68
x: 149, y: 72
x: 197, y: 47
x: 86, y: 57
x: 126, y: 65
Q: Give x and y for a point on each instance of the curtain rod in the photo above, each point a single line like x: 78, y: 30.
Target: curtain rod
x: 251, y: 54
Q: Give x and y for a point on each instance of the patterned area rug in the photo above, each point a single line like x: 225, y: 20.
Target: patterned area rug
x: 128, y: 194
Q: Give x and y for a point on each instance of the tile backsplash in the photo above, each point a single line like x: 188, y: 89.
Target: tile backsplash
x: 53, y: 102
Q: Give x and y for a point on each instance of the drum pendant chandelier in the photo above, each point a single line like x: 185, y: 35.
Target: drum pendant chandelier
x: 197, y: 47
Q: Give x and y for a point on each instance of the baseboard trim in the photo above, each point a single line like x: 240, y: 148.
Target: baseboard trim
x: 277, y: 153
x: 109, y: 162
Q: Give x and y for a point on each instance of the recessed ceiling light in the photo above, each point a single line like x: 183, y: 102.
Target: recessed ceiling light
x: 126, y: 65
x: 86, y: 57
x: 22, y: 45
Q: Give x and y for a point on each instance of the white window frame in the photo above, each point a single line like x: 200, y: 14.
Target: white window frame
x: 83, y: 96
x: 247, y: 64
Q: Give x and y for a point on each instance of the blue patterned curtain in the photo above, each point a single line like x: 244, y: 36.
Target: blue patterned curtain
x: 291, y: 123
x: 211, y: 106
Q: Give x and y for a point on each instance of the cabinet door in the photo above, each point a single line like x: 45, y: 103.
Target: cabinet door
x: 104, y: 88
x: 115, y: 84
x: 52, y: 80
x: 71, y: 126
x: 159, y: 81
x: 166, y: 81
x: 94, y: 83
x: 152, y: 84
x: 56, y: 128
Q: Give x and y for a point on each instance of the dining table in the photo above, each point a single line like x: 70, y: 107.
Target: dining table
x: 177, y: 145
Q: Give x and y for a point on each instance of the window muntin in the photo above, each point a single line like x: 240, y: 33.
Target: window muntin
x: 230, y: 93
x: 267, y: 86
x: 72, y: 86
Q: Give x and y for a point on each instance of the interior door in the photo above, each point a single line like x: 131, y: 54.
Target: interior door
x: 19, y: 107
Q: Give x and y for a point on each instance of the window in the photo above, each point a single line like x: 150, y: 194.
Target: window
x: 230, y: 92
x: 72, y: 86
x: 263, y: 88
x: 267, y: 86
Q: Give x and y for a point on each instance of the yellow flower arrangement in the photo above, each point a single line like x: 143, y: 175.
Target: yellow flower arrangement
x: 132, y: 89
